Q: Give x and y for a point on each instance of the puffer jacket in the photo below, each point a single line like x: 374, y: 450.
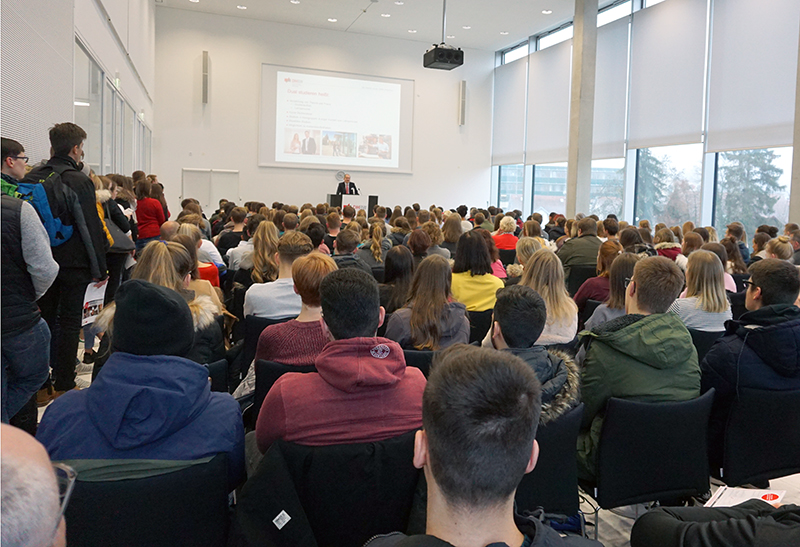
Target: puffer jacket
x: 560, y: 378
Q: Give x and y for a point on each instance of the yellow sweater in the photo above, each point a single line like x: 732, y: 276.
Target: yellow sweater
x: 477, y: 293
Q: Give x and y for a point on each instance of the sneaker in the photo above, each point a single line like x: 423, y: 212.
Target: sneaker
x: 80, y: 368
x: 44, y: 396
x: 88, y: 358
x: 80, y: 383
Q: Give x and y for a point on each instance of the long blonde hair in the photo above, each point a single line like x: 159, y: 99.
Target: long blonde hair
x: 705, y: 280
x: 545, y: 275
x: 265, y: 245
x: 160, y: 263
x: 377, y: 231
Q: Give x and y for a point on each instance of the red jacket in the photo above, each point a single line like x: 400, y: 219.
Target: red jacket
x: 362, y: 392
x: 505, y: 241
x: 149, y: 217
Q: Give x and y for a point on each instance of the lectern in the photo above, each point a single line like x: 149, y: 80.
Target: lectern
x: 356, y: 202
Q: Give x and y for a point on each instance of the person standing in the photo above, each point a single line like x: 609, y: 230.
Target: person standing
x: 28, y: 270
x: 309, y: 144
x: 13, y: 168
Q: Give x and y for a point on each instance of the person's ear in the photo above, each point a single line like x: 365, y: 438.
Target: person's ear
x: 381, y: 316
x: 534, y: 457
x: 420, y: 449
x: 756, y: 292
x: 294, y: 286
x: 277, y: 259
x: 325, y: 330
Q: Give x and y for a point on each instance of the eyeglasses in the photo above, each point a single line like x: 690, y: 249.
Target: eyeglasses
x: 65, y: 476
x: 628, y: 281
x: 23, y: 158
x: 748, y: 283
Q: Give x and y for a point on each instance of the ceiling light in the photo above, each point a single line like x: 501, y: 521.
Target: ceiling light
x: 194, y: 1
x: 466, y: 27
x: 398, y: 3
x: 241, y: 7
x: 332, y: 20
x: 450, y: 36
x: 294, y: 1
x: 412, y: 31
x: 386, y: 14
x: 504, y: 33
x: 547, y: 11
x: 81, y: 103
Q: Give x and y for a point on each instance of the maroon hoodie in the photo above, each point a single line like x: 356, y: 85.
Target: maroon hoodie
x: 670, y: 252
x: 361, y: 392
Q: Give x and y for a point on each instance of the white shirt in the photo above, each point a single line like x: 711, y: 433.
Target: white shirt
x: 275, y: 300
x: 210, y: 251
x: 237, y: 254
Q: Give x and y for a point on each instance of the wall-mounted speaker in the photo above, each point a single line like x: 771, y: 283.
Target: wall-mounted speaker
x: 462, y: 102
x: 205, y: 77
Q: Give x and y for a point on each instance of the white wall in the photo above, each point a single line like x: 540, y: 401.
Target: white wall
x: 451, y: 164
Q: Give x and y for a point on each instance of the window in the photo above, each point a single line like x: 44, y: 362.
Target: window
x: 510, y: 189
x: 129, y: 146
x: 668, y: 184
x: 612, y: 14
x: 516, y: 52
x: 555, y: 37
x: 89, y: 106
x: 549, y: 188
x: 649, y: 3
x: 108, y: 129
x: 752, y: 187
x: 607, y: 188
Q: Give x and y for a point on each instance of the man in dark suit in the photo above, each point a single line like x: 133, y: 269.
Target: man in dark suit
x: 309, y: 144
x: 347, y: 187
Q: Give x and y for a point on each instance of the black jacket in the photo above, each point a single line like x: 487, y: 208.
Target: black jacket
x: 75, y: 252
x: 20, y: 312
x: 760, y: 350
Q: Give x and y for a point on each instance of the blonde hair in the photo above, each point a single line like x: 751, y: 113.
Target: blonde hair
x: 157, y: 264
x: 545, y: 275
x: 507, y: 224
x: 780, y: 247
x: 526, y: 246
x: 377, y: 231
x: 265, y: 245
x: 712, y: 234
x: 705, y: 280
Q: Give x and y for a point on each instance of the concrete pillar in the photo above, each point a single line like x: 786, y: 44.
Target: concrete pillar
x: 581, y: 113
x: 794, y: 196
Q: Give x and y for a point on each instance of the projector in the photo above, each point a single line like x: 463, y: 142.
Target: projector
x: 443, y: 57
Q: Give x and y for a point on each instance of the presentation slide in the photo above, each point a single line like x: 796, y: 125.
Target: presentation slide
x: 318, y: 119
x: 339, y: 121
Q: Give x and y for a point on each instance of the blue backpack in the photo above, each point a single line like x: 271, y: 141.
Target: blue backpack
x: 52, y: 199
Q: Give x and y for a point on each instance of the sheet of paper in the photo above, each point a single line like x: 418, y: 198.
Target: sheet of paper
x: 728, y: 497
x: 93, y: 301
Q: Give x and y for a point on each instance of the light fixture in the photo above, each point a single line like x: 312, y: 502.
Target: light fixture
x: 332, y: 20
x: 194, y: 1
x: 398, y: 3
x: 504, y: 33
x: 81, y: 103
x: 412, y: 31
x: 294, y: 1
x: 450, y: 36
x: 241, y: 7
x: 547, y: 11
x: 466, y: 27
x: 386, y: 14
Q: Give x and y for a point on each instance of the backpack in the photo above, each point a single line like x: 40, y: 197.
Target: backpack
x: 44, y: 189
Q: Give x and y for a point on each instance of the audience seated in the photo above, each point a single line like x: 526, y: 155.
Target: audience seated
x: 520, y: 316
x: 666, y: 246
x: 646, y: 355
x: 526, y: 246
x: 545, y: 275
x: 473, y: 282
x: 278, y: 299
x: 582, y: 249
x: 229, y: 239
x: 260, y: 265
x: 735, y: 231
x: 596, y: 288
x: 498, y: 269
x: 31, y: 510
x: 760, y: 240
x: 418, y: 243
x: 398, y: 274
x: 432, y: 319
x: 346, y: 247
x: 705, y: 306
x: 435, y: 234
x: 362, y: 390
x: 759, y: 350
x: 632, y: 242
x: 245, y: 247
x: 201, y: 287
x: 205, y: 271
x: 722, y: 254
x: 451, y: 233
x: 373, y: 251
x: 735, y: 264
x: 505, y: 238
x: 150, y: 408
x: 480, y: 414
x: 781, y: 248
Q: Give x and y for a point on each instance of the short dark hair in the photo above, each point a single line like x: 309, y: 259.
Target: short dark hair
x: 66, y: 136
x: 611, y: 226
x: 316, y: 232
x: 348, y: 211
x: 778, y: 280
x: 347, y: 241
x: 11, y: 148
x: 238, y: 215
x: 522, y: 314
x: 143, y: 189
x: 290, y: 221
x: 252, y: 224
x: 472, y: 255
x: 659, y: 281
x: 462, y: 210
x: 703, y: 233
x: 480, y: 412
x: 350, y: 303
x: 587, y: 226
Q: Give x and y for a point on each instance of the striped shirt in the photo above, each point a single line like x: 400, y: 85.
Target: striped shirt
x: 695, y: 318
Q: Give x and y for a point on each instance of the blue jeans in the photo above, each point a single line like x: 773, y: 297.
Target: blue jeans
x: 25, y: 367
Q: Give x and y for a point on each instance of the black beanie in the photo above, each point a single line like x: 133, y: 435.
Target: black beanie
x: 151, y: 320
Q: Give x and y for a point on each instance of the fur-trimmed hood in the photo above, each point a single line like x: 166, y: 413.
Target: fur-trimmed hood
x: 668, y: 245
x: 102, y: 196
x: 202, y: 307
x: 559, y: 376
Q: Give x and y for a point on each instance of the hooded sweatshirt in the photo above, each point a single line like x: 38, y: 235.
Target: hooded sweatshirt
x: 673, y: 252
x: 454, y: 326
x: 760, y: 350
x: 146, y: 408
x: 361, y: 392
x: 645, y: 358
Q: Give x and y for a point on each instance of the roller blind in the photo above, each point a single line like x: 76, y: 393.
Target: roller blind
x: 667, y: 73
x: 610, y: 92
x: 753, y: 71
x: 508, y: 125
x: 548, y: 104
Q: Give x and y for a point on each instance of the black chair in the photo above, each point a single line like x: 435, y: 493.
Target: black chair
x: 578, y: 274
x: 479, y: 324
x: 267, y: 373
x: 739, y: 279
x: 762, y: 437
x: 738, y: 307
x: 553, y: 483
x: 237, y: 308
x: 186, y: 507
x: 652, y: 451
x: 218, y: 372
x: 703, y: 340
x: 507, y: 256
x: 382, y: 329
x: 253, y: 327
x: 586, y: 313
x: 420, y: 359
x: 379, y: 273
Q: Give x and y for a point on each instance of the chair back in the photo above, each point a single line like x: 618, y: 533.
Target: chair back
x: 507, y: 256
x: 739, y: 279
x: 420, y: 359
x: 653, y: 451
x: 479, y: 324
x: 379, y: 273
x: 553, y: 483
x: 253, y: 327
x: 218, y: 373
x: 762, y: 437
x: 236, y: 307
x: 267, y: 373
x: 185, y: 507
x: 586, y: 313
x: 382, y: 329
x: 703, y: 340
x: 579, y: 273
x: 738, y: 307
